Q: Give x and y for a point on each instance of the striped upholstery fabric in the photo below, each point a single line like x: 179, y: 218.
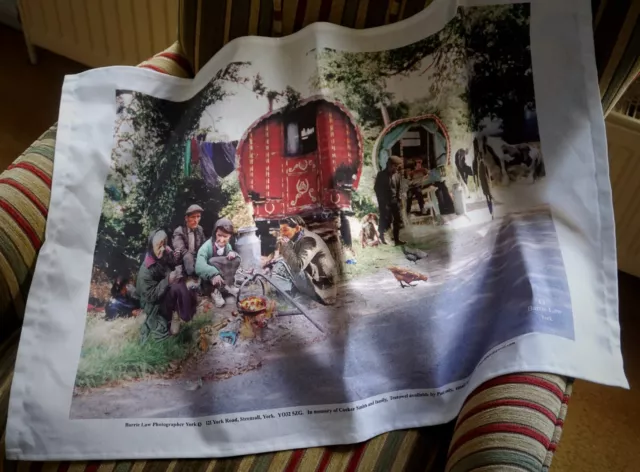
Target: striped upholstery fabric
x: 171, y: 61
x: 8, y: 351
x: 25, y: 189
x: 513, y: 420
x: 510, y: 423
x: 206, y: 26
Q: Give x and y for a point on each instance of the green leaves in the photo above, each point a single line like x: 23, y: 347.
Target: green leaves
x: 360, y: 80
x: 147, y: 179
x: 290, y: 95
x: 482, y: 56
x: 362, y: 204
x: 499, y: 56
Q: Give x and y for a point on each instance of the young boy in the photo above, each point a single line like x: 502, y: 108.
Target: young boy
x: 217, y: 262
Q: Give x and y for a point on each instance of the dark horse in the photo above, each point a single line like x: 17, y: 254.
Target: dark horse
x: 481, y: 173
x: 464, y: 171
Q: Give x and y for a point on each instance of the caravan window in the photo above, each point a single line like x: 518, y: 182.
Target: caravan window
x: 411, y: 139
x: 300, y: 131
x: 292, y: 134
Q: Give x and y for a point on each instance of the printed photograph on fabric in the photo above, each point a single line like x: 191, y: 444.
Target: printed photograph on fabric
x: 376, y: 223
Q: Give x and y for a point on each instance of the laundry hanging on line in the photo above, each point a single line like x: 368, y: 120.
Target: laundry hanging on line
x: 216, y: 159
x: 224, y: 157
x: 187, y: 160
x: 209, y: 173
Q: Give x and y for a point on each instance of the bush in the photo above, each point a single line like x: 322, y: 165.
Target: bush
x: 237, y: 210
x: 362, y: 204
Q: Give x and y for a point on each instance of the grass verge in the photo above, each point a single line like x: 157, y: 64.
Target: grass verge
x: 373, y: 258
x: 103, y: 362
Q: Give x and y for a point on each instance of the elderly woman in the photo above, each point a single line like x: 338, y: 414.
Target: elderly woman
x: 164, y: 296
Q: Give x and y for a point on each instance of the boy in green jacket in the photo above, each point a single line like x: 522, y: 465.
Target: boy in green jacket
x: 217, y: 262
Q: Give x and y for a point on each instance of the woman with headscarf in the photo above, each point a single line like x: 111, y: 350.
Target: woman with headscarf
x: 164, y: 296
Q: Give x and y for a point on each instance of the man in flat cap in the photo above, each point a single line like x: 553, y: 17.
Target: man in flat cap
x: 187, y: 239
x: 388, y: 193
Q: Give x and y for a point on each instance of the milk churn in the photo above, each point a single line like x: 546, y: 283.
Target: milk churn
x: 458, y: 200
x: 248, y: 246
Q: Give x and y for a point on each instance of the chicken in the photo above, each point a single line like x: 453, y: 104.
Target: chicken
x: 413, y: 254
x: 406, y: 276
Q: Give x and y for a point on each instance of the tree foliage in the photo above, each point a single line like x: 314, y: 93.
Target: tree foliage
x: 290, y: 96
x: 482, y: 57
x: 360, y: 80
x: 147, y: 187
x: 499, y: 58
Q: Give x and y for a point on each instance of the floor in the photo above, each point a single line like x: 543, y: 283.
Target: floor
x: 602, y: 430
x: 29, y: 95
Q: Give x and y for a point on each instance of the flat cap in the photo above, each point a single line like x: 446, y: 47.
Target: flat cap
x: 193, y: 209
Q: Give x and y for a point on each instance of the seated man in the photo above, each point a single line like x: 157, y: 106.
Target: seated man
x: 369, y: 235
x: 124, y: 299
x: 217, y: 262
x: 187, y: 239
x: 416, y: 176
x: 311, y: 264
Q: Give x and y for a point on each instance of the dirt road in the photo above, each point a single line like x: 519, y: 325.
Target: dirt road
x: 480, y: 291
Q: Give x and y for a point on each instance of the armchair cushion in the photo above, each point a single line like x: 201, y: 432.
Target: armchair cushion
x: 25, y: 189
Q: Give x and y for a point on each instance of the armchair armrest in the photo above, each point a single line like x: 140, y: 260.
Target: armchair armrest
x: 25, y: 190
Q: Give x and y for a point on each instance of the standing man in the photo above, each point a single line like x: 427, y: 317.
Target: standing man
x: 187, y: 239
x: 483, y: 171
x: 388, y: 192
x: 484, y: 184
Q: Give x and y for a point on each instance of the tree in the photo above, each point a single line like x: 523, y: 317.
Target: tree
x: 360, y: 79
x: 482, y: 56
x: 237, y: 210
x: 147, y: 187
x: 499, y: 57
x: 290, y: 96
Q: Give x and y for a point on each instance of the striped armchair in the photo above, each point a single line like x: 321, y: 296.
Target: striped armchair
x: 513, y: 422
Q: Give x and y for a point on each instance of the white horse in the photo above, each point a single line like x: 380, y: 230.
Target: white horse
x: 508, y: 162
